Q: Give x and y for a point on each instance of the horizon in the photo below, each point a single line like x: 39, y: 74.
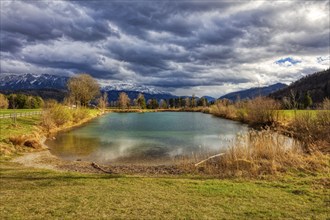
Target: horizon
x: 184, y: 48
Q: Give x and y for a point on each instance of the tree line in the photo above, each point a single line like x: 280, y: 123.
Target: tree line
x: 20, y: 101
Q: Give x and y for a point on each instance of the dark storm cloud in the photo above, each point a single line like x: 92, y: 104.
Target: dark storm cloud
x: 173, y: 44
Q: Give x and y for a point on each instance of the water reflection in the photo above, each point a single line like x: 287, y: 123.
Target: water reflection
x: 149, y: 137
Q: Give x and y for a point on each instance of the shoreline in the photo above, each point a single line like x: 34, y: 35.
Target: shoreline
x: 42, y: 158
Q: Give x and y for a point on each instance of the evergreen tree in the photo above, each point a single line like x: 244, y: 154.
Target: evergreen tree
x: 308, y: 100
x: 141, y: 101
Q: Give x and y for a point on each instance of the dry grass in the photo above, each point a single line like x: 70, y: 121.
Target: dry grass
x: 264, y: 153
x: 313, y: 130
x: 262, y: 110
x: 259, y: 111
x: 59, y: 116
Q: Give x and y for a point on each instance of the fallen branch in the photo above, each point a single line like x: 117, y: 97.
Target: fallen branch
x: 203, y: 161
x: 96, y: 166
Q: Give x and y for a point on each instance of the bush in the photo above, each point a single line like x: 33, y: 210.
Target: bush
x: 223, y: 109
x: 313, y: 130
x: 60, y: 114
x: 3, y: 102
x: 80, y: 114
x: 262, y: 110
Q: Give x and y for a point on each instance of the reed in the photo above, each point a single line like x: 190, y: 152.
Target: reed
x: 260, y: 153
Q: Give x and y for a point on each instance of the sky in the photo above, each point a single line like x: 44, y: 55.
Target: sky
x: 182, y: 47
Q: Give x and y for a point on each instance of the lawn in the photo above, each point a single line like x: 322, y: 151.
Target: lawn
x: 28, y: 193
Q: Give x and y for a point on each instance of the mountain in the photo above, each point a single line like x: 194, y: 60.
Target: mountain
x: 317, y: 84
x: 254, y: 92
x: 133, y: 90
x: 32, y: 81
x: 209, y: 98
x: 53, y: 86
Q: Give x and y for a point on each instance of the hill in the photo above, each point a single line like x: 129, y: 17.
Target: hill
x: 317, y: 84
x: 254, y: 92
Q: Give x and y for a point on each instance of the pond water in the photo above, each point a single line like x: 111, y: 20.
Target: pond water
x: 140, y: 138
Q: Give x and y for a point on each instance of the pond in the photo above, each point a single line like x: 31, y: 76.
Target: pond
x: 146, y: 138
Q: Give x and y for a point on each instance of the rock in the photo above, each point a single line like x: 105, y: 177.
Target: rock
x: 32, y: 143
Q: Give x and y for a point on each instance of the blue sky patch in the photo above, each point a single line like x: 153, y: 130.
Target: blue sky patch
x: 289, y: 61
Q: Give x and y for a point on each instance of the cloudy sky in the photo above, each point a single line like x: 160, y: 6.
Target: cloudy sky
x: 184, y: 47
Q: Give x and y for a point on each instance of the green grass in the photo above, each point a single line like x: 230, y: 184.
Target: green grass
x: 24, y: 125
x: 8, y: 111
x: 34, y: 194
x: 289, y: 115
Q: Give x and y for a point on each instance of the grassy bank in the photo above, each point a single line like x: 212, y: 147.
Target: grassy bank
x: 32, y: 194
x: 25, y: 134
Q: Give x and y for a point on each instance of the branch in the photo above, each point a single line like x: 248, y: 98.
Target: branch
x: 203, y: 161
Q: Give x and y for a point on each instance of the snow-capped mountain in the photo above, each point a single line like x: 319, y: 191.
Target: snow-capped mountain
x: 28, y: 81
x: 132, y: 87
x: 32, y: 81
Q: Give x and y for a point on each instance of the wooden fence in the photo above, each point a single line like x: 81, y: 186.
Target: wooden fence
x: 19, y: 114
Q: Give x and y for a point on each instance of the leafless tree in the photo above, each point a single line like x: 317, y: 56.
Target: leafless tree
x: 123, y: 100
x: 83, y: 88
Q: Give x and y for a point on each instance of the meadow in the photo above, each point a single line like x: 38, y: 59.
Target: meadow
x: 32, y: 193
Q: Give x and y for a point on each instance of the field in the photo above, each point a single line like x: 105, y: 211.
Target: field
x: 33, y: 194
x: 29, y: 193
x: 24, y: 125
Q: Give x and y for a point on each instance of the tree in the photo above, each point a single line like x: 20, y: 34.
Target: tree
x: 193, y: 101
x: 3, y: 102
x: 171, y: 102
x: 103, y: 101
x: 163, y: 104
x: 187, y: 102
x: 152, y: 104
x: 202, y: 102
x: 307, y: 100
x: 123, y: 100
x: 83, y: 88
x: 141, y: 102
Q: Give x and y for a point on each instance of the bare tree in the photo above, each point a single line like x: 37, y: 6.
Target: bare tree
x: 187, y: 102
x: 83, y: 88
x: 103, y: 101
x: 123, y: 100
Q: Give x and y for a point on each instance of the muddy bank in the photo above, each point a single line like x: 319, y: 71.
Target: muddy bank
x: 45, y: 160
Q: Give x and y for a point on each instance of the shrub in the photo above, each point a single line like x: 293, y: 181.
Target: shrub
x: 222, y: 108
x: 313, y: 130
x: 60, y: 114
x: 262, y: 110
x: 50, y: 103
x: 3, y: 102
x: 47, y: 121
x: 326, y: 104
x: 79, y: 114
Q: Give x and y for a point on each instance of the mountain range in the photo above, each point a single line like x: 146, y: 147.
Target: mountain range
x: 253, y: 92
x: 53, y: 86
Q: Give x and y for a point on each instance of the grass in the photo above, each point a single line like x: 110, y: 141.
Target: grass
x: 8, y: 111
x: 289, y: 115
x: 24, y: 125
x: 33, y: 194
